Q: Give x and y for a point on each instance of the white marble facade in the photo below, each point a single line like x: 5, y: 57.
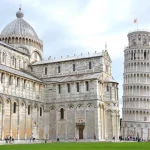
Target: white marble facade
x: 136, y: 94
x: 67, y: 97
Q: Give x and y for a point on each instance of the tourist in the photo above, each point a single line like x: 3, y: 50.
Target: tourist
x: 10, y: 139
x: 30, y: 138
x: 58, y: 138
x: 13, y: 139
x: 94, y: 137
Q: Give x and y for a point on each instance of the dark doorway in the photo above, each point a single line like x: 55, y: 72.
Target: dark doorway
x: 80, y: 133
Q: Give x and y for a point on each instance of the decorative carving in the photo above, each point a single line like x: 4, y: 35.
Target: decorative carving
x: 52, y: 107
x: 108, y: 104
x: 70, y: 106
x: 80, y: 106
x: 114, y: 104
x: 46, y: 110
x: 22, y: 104
x: 7, y: 101
x: 35, y: 106
x: 146, y: 125
x: 131, y: 125
x: 35, y: 123
x: 89, y: 105
x: 139, y: 125
x: 80, y: 123
x: 80, y: 120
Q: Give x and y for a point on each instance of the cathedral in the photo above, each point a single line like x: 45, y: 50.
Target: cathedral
x: 67, y: 97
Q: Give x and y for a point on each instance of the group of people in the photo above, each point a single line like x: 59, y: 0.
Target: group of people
x: 9, y: 139
x: 132, y: 138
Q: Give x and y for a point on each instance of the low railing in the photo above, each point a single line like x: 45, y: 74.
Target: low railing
x: 136, y: 30
x: 137, y: 46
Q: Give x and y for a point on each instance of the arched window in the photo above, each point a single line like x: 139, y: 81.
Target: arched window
x: 87, y: 85
x: 106, y: 68
x: 3, y: 59
x: 90, y: 65
x: 19, y: 64
x: 2, y: 78
x: 68, y: 87
x: 40, y: 111
x: 35, y: 56
x: 144, y: 54
x: 34, y: 87
x: 74, y: 67
x: 24, y: 85
x: 13, y: 60
x: 59, y: 88
x: 25, y: 65
x: 77, y: 86
x: 18, y: 81
x: 58, y: 69
x: 45, y: 70
x: 10, y: 80
x: 29, y: 109
x: 107, y: 89
x: 61, y: 113
x: 14, y: 107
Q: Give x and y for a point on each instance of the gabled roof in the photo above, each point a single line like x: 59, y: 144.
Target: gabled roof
x: 106, y: 55
x: 110, y: 79
x: 68, y: 58
x: 18, y: 72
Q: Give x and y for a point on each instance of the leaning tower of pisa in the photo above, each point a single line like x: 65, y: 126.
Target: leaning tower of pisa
x: 136, y: 87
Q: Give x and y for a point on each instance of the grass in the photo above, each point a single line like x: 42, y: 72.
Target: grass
x: 79, y: 146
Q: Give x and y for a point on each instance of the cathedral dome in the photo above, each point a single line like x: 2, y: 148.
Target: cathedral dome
x: 19, y: 28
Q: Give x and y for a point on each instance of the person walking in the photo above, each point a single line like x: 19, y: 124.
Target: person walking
x: 58, y: 138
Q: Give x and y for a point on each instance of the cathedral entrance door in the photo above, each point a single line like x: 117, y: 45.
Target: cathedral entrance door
x: 80, y: 133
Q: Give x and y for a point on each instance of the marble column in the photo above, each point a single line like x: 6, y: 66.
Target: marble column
x: 141, y: 132
x: 10, y: 129
x: 3, y: 110
x: 97, y: 123
x: 66, y: 137
x: 149, y: 133
x: 25, y: 122
x: 18, y: 120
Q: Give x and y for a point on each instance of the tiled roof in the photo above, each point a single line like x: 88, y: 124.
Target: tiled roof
x: 11, y: 47
x: 18, y: 72
x: 110, y: 79
x: 77, y: 77
x: 51, y: 60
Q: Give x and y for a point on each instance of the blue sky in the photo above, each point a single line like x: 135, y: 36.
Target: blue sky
x: 69, y: 27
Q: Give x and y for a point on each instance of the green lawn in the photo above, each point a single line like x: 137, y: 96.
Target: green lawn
x: 79, y: 146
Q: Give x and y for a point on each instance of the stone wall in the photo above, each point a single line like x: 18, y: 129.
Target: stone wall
x: 66, y: 67
x: 20, y: 60
x: 19, y: 123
